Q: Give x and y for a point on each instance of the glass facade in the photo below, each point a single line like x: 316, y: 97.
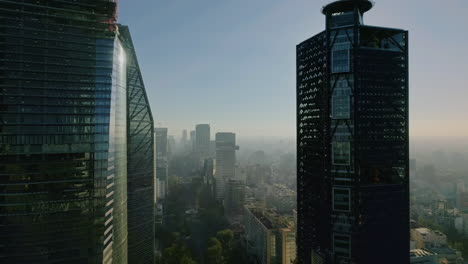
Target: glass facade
x: 63, y: 133
x: 352, y: 136
x: 141, y: 165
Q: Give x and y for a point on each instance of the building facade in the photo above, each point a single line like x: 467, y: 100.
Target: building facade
x: 352, y: 140
x: 63, y: 107
x: 268, y: 239
x: 140, y: 161
x: 225, y: 161
x: 234, y: 199
x: 202, y: 141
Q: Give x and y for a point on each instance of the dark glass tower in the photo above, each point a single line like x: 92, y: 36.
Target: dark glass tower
x: 140, y: 151
x: 63, y: 133
x: 352, y: 141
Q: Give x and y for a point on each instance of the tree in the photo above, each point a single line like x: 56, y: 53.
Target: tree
x: 225, y: 237
x: 177, y: 253
x: 187, y: 260
x: 222, y: 249
x: 215, y: 251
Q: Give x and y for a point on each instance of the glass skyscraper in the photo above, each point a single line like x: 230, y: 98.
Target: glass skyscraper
x: 141, y: 164
x: 352, y: 141
x: 64, y: 125
x: 225, y: 161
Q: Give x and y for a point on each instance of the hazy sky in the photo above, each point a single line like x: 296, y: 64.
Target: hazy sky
x: 231, y: 63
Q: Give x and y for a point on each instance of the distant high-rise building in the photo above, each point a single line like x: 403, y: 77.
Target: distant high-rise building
x: 192, y: 140
x: 212, y: 152
x: 184, y: 135
x: 352, y: 141
x: 234, y: 198
x: 161, y: 162
x: 209, y: 171
x: 171, y: 146
x: 141, y: 162
x: 184, y: 141
x: 63, y: 152
x: 202, y: 141
x: 225, y: 161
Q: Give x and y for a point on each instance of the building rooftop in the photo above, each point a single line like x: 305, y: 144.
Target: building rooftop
x: 263, y: 219
x: 270, y: 218
x: 347, y: 5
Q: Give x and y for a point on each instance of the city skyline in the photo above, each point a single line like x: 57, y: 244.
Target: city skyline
x: 234, y: 131
x: 247, y: 55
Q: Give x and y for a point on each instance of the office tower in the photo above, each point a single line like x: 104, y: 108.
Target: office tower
x: 192, y: 140
x: 352, y: 141
x: 202, y: 141
x: 183, y: 141
x: 63, y: 106
x: 235, y: 199
x: 225, y: 161
x: 140, y: 161
x: 184, y: 135
x: 212, y: 152
x: 171, y: 146
x: 161, y: 162
x: 209, y: 172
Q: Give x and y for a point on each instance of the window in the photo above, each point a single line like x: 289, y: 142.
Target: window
x: 341, y: 245
x: 341, y: 199
x: 340, y: 61
x: 340, y: 107
x: 341, y: 153
x: 341, y: 19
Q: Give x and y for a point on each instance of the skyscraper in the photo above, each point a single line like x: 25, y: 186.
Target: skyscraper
x: 161, y: 162
x: 225, y: 161
x: 352, y: 141
x: 63, y: 106
x: 183, y: 141
x: 202, y: 141
x: 140, y: 161
x: 192, y: 140
x: 234, y: 199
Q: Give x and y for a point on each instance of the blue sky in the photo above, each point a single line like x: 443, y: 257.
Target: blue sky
x: 231, y: 63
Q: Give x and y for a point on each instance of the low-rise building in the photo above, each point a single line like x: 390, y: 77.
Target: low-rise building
x: 270, y: 238
x: 425, y: 237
